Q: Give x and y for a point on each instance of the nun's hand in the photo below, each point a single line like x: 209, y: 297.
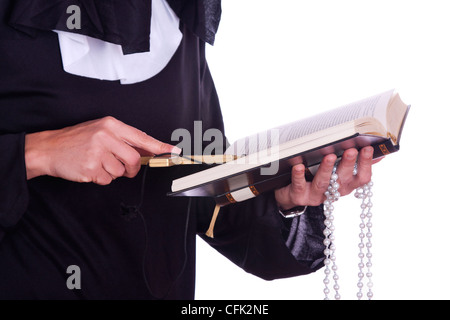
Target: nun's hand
x: 303, y: 193
x: 96, y: 151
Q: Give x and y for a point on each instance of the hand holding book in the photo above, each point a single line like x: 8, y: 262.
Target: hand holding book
x: 301, y: 192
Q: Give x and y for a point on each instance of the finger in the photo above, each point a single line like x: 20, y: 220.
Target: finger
x: 298, y: 181
x: 141, y: 140
x: 294, y: 194
x: 113, y: 166
x: 127, y: 155
x: 102, y: 178
x: 322, y: 178
x: 346, y: 166
x: 375, y: 161
x: 364, y: 166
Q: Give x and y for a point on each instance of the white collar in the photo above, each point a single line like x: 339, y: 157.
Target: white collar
x: 94, y: 58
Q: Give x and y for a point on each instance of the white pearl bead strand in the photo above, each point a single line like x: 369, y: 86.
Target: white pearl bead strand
x: 332, y: 195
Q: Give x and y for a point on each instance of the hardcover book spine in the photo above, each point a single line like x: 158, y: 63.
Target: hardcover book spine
x: 384, y: 148
x: 253, y: 190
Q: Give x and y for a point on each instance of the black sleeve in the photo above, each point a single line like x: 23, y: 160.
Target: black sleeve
x: 13, y: 186
x: 254, y: 236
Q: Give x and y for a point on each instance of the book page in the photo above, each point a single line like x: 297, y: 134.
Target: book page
x: 374, y: 106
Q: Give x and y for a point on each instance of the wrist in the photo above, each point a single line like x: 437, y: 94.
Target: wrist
x: 283, y: 200
x: 293, y: 212
x: 286, y: 207
x: 35, y: 156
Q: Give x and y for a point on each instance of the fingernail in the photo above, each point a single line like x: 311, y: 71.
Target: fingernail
x: 331, y: 160
x: 299, y: 169
x: 176, y: 150
x: 352, y: 154
x: 368, y: 150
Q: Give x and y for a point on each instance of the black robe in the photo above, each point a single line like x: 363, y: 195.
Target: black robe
x: 48, y: 224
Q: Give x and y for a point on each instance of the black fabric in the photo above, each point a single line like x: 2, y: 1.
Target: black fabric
x: 14, y: 196
x: 201, y: 16
x: 253, y: 239
x: 126, y: 23
x: 48, y: 224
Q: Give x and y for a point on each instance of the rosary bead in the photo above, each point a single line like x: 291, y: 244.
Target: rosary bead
x: 332, y: 195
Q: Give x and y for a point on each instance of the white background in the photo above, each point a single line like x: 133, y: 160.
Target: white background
x: 278, y: 61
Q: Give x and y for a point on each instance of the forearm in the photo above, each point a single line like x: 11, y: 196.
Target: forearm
x: 97, y: 151
x: 36, y: 158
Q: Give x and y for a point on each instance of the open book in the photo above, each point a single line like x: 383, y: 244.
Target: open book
x: 263, y: 161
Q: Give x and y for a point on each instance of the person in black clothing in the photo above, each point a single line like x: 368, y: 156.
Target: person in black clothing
x: 72, y: 189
